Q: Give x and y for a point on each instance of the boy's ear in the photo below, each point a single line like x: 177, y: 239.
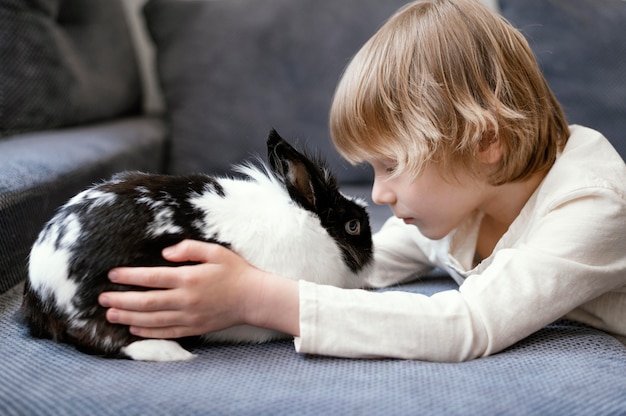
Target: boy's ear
x: 489, y: 149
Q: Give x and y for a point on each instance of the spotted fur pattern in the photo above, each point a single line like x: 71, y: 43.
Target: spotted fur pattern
x: 286, y: 217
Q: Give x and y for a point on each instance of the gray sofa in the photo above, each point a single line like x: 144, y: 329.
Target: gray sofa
x: 70, y: 115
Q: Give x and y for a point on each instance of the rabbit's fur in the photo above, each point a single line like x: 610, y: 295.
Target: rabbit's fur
x: 286, y: 217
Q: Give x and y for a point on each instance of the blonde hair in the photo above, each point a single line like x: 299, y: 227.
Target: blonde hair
x: 438, y: 79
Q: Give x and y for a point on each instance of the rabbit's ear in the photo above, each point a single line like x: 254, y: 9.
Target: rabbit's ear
x: 305, y: 181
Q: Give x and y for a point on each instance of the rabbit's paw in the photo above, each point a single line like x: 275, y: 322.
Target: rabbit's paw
x: 156, y: 350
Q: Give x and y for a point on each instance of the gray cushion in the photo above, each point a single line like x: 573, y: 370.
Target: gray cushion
x: 64, y: 62
x: 232, y: 69
x: 581, y: 47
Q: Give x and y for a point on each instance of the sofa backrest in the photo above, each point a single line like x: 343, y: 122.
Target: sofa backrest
x: 231, y: 70
x: 65, y: 62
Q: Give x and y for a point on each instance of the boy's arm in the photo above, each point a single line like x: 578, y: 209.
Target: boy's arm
x: 560, y: 261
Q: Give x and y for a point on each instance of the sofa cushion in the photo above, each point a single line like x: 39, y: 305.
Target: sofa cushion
x: 563, y: 369
x: 232, y: 69
x: 64, y: 62
x: 581, y: 47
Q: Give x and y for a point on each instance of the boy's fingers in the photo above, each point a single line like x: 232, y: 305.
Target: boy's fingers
x: 162, y: 333
x: 149, y: 325
x: 192, y: 250
x: 152, y: 277
x: 160, y: 319
x: 154, y: 300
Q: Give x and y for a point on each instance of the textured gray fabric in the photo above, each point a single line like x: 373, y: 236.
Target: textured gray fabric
x: 564, y: 369
x: 581, y: 47
x: 232, y: 69
x: 39, y: 171
x: 64, y: 62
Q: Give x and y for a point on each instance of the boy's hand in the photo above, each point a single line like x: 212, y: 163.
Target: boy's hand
x: 189, y: 300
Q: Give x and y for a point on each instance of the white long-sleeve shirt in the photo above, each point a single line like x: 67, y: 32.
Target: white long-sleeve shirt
x: 563, y: 256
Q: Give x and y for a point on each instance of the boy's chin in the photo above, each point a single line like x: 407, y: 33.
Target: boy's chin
x: 432, y: 233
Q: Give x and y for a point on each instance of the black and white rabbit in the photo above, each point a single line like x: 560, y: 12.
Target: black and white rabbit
x: 286, y: 217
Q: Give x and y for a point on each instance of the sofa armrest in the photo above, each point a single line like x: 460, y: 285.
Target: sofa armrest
x: 41, y: 170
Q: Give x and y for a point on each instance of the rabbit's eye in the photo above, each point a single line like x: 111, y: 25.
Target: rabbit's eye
x: 353, y: 227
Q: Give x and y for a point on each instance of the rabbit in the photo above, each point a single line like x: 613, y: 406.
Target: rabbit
x: 286, y: 216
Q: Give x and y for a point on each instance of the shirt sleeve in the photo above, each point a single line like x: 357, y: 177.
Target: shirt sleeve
x: 401, y: 254
x: 571, y: 254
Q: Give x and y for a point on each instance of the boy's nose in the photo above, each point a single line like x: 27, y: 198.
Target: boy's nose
x: 381, y: 194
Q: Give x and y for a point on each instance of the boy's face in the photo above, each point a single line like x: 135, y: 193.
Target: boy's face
x: 434, y: 205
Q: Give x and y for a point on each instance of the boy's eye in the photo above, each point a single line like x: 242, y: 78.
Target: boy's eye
x: 386, y: 166
x: 390, y: 169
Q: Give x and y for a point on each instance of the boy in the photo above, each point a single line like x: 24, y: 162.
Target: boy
x: 473, y: 154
